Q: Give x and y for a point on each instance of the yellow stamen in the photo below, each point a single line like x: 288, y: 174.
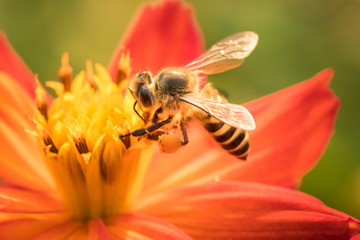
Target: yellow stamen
x: 90, y: 74
x: 49, y: 142
x: 41, y: 99
x: 123, y: 68
x: 98, y: 174
x: 65, y: 72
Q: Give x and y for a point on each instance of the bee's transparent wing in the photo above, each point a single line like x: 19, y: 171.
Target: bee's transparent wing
x: 227, y: 54
x: 231, y: 114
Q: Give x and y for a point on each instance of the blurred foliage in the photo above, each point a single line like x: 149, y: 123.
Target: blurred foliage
x: 297, y: 39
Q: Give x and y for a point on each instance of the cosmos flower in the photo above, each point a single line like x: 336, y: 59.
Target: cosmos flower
x: 67, y: 175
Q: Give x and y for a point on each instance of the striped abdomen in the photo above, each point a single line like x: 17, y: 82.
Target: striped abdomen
x: 234, y: 140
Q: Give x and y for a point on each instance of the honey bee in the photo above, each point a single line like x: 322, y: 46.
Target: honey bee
x: 176, y: 95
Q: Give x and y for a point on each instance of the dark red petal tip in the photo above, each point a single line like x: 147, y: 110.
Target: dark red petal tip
x: 162, y: 34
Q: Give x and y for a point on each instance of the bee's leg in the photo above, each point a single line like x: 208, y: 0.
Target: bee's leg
x: 155, y: 135
x: 126, y: 141
x: 156, y: 115
x: 134, y: 107
x: 184, y: 133
x: 142, y: 131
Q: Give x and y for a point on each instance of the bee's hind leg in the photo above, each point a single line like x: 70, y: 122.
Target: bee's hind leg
x: 184, y: 133
x: 170, y: 143
x: 156, y: 135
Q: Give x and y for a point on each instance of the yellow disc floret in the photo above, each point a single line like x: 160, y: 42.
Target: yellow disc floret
x: 97, y: 173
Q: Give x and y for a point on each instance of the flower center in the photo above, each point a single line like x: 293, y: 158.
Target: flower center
x: 97, y: 173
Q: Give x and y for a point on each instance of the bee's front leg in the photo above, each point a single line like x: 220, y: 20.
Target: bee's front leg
x: 137, y: 113
x: 142, y: 131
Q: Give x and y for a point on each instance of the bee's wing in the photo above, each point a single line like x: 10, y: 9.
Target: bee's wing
x: 231, y: 114
x: 227, y: 54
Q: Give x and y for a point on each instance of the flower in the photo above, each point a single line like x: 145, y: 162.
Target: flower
x: 70, y: 176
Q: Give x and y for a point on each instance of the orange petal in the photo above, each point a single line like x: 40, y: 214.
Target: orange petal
x: 65, y: 230
x: 138, y: 227
x: 19, y: 226
x: 162, y: 34
x: 21, y: 162
x: 14, y: 200
x: 293, y: 128
x: 244, y: 210
x: 12, y: 64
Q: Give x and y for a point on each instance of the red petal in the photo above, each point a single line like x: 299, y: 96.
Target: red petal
x: 98, y: 230
x: 12, y: 64
x: 136, y: 226
x: 21, y: 162
x: 14, y: 200
x: 293, y: 127
x: 243, y: 210
x: 162, y: 34
x: 199, y: 159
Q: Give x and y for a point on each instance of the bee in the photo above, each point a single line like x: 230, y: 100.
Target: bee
x: 177, y: 94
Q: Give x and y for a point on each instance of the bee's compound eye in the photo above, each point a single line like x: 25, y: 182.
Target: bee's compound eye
x: 145, y: 97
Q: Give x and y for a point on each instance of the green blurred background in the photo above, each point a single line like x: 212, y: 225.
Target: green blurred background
x: 297, y: 39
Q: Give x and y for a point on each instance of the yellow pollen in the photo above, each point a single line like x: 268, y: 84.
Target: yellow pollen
x: 97, y: 173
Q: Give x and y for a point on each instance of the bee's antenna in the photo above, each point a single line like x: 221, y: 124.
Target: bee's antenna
x: 134, y: 107
x: 131, y: 90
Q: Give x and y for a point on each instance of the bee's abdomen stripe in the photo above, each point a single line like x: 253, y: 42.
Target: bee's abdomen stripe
x: 243, y: 157
x: 225, y: 136
x: 213, y: 127
x: 234, y: 142
x: 242, y: 150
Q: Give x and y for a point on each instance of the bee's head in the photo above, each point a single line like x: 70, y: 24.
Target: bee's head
x: 141, y: 89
